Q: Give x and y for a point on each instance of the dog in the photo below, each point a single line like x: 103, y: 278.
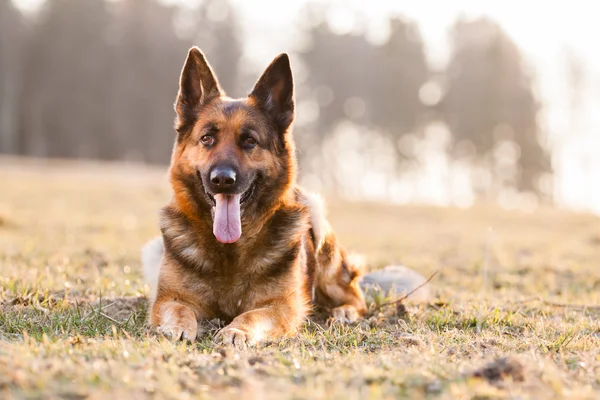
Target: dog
x: 241, y: 241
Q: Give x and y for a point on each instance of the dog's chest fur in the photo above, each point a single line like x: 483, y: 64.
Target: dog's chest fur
x: 237, y: 277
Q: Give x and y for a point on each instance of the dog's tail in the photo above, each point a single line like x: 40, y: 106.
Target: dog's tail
x: 152, y: 253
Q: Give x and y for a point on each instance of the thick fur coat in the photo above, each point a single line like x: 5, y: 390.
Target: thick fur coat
x: 240, y: 240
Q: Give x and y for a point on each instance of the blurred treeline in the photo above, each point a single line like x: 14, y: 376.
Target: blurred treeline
x: 97, y: 79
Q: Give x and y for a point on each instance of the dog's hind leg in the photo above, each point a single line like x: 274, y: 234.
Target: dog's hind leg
x: 337, y: 282
x: 337, y: 274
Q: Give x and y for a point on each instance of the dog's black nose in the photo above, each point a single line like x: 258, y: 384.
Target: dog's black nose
x: 222, y: 178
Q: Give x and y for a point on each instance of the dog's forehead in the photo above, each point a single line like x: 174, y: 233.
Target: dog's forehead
x: 230, y: 114
x: 230, y: 107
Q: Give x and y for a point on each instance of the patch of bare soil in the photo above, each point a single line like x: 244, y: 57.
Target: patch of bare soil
x: 119, y: 308
x: 501, y: 369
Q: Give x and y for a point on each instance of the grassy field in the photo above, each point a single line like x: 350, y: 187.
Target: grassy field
x: 515, y: 312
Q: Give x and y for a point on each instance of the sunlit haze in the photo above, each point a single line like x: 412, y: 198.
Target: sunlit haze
x: 546, y: 32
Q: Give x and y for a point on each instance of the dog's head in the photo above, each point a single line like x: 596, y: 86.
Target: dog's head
x: 232, y: 157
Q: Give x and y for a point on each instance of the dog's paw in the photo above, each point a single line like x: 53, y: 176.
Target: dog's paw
x: 345, y: 314
x: 181, y: 325
x: 235, y: 337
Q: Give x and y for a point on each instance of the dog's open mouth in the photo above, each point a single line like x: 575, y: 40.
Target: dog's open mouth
x: 227, y: 222
x: 245, y: 196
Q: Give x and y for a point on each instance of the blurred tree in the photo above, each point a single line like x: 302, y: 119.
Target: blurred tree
x: 339, y: 69
x: 489, y: 102
x: 369, y: 84
x: 65, y: 85
x: 13, y: 41
x: 400, y: 72
x: 100, y: 77
x: 217, y: 34
x: 148, y: 56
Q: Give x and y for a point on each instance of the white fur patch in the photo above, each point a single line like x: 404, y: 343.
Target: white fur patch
x: 318, y: 220
x: 152, y: 253
x: 261, y: 330
x: 356, y: 260
x: 192, y: 254
x: 167, y: 317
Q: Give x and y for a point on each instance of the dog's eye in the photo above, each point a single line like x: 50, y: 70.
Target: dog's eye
x: 249, y: 142
x: 207, y: 140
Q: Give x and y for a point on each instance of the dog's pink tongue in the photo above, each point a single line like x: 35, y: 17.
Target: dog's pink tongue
x: 227, y: 225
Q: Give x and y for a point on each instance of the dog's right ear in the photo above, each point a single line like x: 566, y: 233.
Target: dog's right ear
x: 197, y: 86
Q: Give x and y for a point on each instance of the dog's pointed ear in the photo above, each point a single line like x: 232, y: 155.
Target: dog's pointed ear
x: 197, y: 85
x: 274, y: 92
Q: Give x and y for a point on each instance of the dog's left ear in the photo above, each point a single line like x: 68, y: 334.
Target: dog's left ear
x: 274, y: 92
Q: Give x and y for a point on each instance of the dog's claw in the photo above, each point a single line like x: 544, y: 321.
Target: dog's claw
x: 172, y: 334
x: 235, y: 337
x: 176, y: 333
x: 345, y: 314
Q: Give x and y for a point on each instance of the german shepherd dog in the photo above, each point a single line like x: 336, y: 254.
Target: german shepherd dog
x: 242, y: 242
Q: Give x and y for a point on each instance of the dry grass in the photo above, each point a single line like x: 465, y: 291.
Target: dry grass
x: 72, y: 303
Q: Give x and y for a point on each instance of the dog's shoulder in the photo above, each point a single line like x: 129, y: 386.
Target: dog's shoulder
x: 288, y: 222
x: 174, y: 225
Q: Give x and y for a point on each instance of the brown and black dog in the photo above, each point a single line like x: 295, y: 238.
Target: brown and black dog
x: 240, y: 240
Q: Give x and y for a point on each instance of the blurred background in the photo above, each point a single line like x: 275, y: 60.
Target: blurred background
x: 444, y: 103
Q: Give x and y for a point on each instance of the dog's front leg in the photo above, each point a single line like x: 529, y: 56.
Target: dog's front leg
x: 268, y: 323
